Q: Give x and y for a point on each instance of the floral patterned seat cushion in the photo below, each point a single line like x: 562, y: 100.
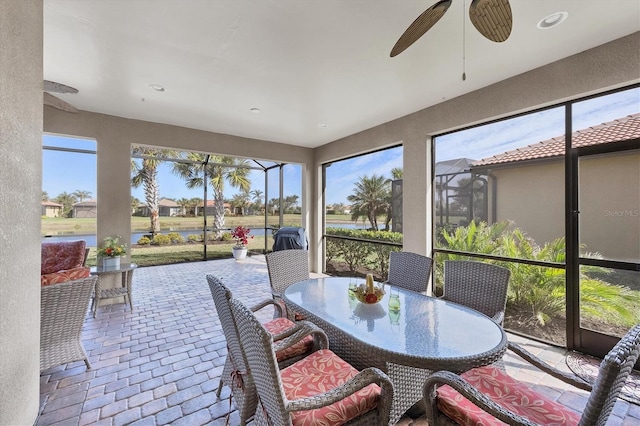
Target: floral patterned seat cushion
x: 280, y: 325
x: 513, y: 395
x: 62, y: 261
x: 320, y: 372
x: 64, y: 276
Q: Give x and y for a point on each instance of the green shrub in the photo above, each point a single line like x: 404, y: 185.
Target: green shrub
x: 144, y: 241
x: 193, y: 238
x: 175, y: 238
x: 161, y: 240
x: 226, y: 236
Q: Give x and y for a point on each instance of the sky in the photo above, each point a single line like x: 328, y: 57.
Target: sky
x: 69, y: 172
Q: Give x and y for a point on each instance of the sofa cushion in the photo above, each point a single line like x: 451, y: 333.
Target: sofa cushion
x: 61, y: 256
x: 64, y: 276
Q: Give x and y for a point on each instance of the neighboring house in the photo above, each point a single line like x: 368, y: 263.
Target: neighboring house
x: 51, y: 209
x: 166, y: 208
x: 527, y: 187
x: 210, y: 204
x: 87, y: 208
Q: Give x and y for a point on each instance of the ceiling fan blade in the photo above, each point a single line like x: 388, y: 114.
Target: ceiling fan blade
x: 492, y: 18
x: 52, y: 86
x: 51, y: 100
x: 421, y: 25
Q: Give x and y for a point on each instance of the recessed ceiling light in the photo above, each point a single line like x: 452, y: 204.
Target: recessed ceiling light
x: 322, y: 125
x: 552, y: 20
x: 157, y: 87
x: 255, y: 110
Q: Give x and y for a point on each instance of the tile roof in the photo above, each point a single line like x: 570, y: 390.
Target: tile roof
x: 613, y: 131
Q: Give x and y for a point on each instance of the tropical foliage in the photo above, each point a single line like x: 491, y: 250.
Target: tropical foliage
x: 218, y: 170
x: 145, y: 173
x: 539, y: 290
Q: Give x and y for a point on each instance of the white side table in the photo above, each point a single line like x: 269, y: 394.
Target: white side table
x: 126, y: 271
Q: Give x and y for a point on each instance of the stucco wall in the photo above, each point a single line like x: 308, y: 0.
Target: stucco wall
x: 533, y: 198
x: 20, y: 198
x: 610, y: 205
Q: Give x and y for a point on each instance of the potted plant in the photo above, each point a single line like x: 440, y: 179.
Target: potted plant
x: 241, y: 236
x: 110, y: 252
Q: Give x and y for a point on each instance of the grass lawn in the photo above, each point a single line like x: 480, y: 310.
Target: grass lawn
x: 83, y: 226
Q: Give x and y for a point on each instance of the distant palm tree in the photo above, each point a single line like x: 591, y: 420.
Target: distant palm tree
x: 257, y: 197
x: 396, y: 173
x: 81, y: 195
x: 184, y: 203
x: 219, y: 170
x: 67, y: 201
x: 135, y: 203
x: 45, y: 196
x: 369, y: 199
x: 240, y: 200
x: 145, y: 173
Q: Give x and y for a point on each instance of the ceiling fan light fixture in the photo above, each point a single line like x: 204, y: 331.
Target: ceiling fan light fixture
x: 552, y: 20
x: 157, y: 87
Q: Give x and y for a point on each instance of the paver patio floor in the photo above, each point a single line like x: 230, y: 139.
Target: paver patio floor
x: 161, y: 363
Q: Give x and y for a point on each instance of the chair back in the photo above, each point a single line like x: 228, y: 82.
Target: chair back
x: 258, y: 346
x: 614, y: 371
x: 409, y: 270
x: 480, y: 286
x: 287, y: 267
x: 63, y: 308
x: 221, y: 298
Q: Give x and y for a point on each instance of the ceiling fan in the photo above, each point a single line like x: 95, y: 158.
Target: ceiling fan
x: 492, y: 18
x: 49, y: 99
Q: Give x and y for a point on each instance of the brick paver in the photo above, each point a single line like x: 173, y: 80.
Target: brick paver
x: 161, y: 363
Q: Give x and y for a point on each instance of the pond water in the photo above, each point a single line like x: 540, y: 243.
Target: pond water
x: 135, y: 236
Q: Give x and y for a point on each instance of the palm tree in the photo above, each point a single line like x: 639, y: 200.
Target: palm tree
x: 184, y: 203
x: 145, y: 173
x: 256, y: 196
x: 219, y: 170
x: 240, y: 200
x: 396, y: 173
x: 370, y: 199
x: 135, y: 203
x: 81, y: 195
x: 45, y: 196
x: 290, y: 203
x: 274, y: 205
x: 67, y: 201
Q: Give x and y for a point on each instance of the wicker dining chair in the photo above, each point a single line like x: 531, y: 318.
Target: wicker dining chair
x: 63, y: 308
x: 489, y: 393
x: 322, y: 388
x: 293, y: 342
x: 480, y: 286
x: 286, y: 267
x: 409, y: 270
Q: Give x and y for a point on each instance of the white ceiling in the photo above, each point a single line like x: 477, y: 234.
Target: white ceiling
x: 302, y: 63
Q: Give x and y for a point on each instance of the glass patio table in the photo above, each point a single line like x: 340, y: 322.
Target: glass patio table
x: 423, y: 335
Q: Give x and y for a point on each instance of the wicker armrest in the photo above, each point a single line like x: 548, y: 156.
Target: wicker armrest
x: 498, y: 317
x: 472, y: 394
x: 362, y: 379
x: 298, y: 332
x: 569, y: 378
x: 266, y: 303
